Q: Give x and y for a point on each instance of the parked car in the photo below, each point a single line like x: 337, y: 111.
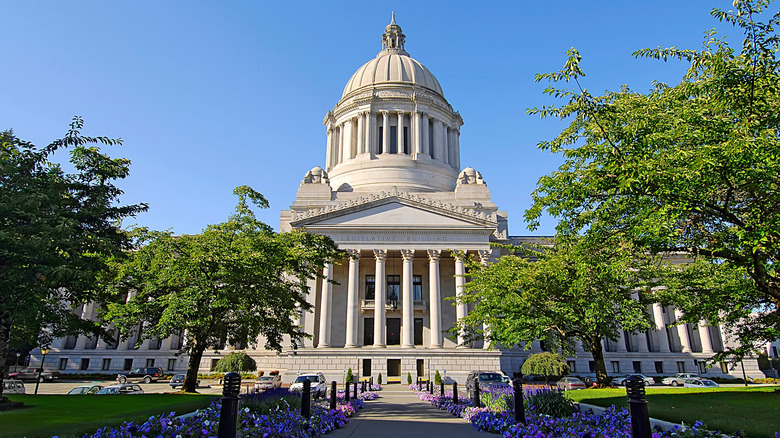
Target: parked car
x: 126, y: 388
x: 31, y: 373
x: 178, y: 380
x: 266, y: 383
x: 13, y: 386
x: 700, y: 383
x: 570, y: 383
x: 679, y: 379
x: 146, y: 375
x: 486, y: 379
x: 85, y: 389
x: 319, y: 388
x: 621, y: 381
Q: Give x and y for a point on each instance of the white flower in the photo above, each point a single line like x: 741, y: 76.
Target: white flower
x: 206, y: 422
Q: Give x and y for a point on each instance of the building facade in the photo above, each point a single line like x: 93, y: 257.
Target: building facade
x: 393, y: 194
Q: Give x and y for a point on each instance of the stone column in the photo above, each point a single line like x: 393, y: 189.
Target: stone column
x: 325, y: 303
x: 448, y: 143
x: 435, y: 298
x: 706, y: 339
x: 361, y: 135
x: 329, y: 153
x: 641, y: 340
x: 400, y: 134
x: 308, y: 317
x: 621, y: 343
x: 352, y: 297
x: 165, y: 344
x: 436, y: 146
x: 346, y: 142
x: 457, y: 148
x: 443, y: 143
x: 86, y: 314
x: 380, y: 292
x: 663, y: 340
x: 407, y: 333
x: 372, y: 141
x: 416, y: 133
x: 426, y: 147
x: 682, y: 331
x: 340, y: 148
x: 385, y: 132
x: 484, y: 259
x: 460, y: 282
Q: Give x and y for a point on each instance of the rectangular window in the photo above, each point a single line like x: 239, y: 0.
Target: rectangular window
x: 393, y: 331
x: 393, y: 146
x: 380, y: 142
x: 572, y: 366
x: 366, y: 367
x: 637, y: 366
x: 370, y: 287
x: 615, y: 366
x: 393, y: 287
x: 84, y: 364
x: 128, y: 365
x: 149, y: 363
x: 418, y: 331
x: 406, y: 140
x: 431, y: 149
x: 417, y: 287
x: 702, y: 367
x: 592, y: 366
x: 680, y: 367
x: 106, y: 365
x: 659, y: 366
x: 368, y: 331
x: 213, y: 364
x: 63, y: 363
x: 171, y: 364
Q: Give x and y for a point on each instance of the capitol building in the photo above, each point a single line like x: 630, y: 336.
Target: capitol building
x: 392, y: 192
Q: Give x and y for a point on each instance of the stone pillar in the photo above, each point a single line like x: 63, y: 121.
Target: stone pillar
x: 457, y: 148
x: 86, y: 314
x: 641, y: 340
x: 372, y: 141
x: 329, y: 153
x: 426, y: 146
x: 407, y: 331
x: 416, y: 133
x: 165, y: 344
x: 385, y: 132
x: 435, y: 298
x: 436, y: 146
x: 352, y: 297
x: 682, y: 331
x: 484, y: 259
x: 325, y: 303
x: 339, y: 155
x: 460, y: 282
x: 361, y: 135
x: 380, y: 292
x: 663, y: 340
x: 308, y: 317
x: 706, y: 339
x: 621, y: 343
x: 447, y: 145
x: 346, y: 142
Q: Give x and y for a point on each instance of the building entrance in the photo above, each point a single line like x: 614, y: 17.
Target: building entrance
x: 393, y: 331
x: 393, y: 368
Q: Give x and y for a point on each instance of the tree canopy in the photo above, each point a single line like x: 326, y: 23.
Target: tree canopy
x: 545, y: 364
x: 56, y: 231
x: 577, y: 288
x: 691, y: 168
x: 231, y: 283
x: 236, y: 361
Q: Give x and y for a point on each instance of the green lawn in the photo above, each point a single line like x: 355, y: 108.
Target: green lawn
x: 50, y: 415
x: 753, y: 411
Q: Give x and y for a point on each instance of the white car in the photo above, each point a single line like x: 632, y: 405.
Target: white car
x: 269, y: 383
x: 13, y: 386
x: 700, y: 383
x: 319, y: 388
x: 679, y: 379
x: 621, y: 381
x: 122, y: 388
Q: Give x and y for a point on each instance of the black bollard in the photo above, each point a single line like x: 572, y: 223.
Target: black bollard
x: 455, y: 392
x: 418, y: 382
x: 519, y: 407
x: 346, y: 392
x: 477, y: 401
x: 306, y: 399
x: 228, y: 417
x: 355, y: 384
x: 637, y: 402
x: 371, y: 381
x: 442, y: 388
x: 363, y: 388
x: 333, y: 392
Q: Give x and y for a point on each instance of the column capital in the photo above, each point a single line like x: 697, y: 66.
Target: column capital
x: 353, y: 254
x: 408, y: 254
x: 484, y: 255
x: 434, y: 254
x: 459, y: 255
x: 380, y: 254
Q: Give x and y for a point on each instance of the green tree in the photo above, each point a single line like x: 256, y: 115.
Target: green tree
x: 437, y: 378
x: 349, y: 375
x: 545, y: 364
x: 239, y: 362
x: 233, y: 282
x: 408, y: 378
x: 687, y: 169
x: 577, y: 288
x: 56, y: 231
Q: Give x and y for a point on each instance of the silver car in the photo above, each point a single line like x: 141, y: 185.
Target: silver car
x: 122, y: 388
x: 319, y: 388
x: 621, y: 381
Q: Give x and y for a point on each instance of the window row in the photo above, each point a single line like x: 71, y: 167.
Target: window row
x: 394, y: 287
x: 127, y: 365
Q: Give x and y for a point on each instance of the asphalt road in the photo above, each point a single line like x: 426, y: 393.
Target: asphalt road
x: 63, y: 386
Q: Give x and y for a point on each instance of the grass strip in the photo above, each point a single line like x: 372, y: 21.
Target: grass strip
x: 755, y: 412
x: 65, y: 415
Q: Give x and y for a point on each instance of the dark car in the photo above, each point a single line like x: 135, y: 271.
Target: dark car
x: 486, y: 379
x: 178, y: 380
x: 146, y: 375
x: 33, y: 373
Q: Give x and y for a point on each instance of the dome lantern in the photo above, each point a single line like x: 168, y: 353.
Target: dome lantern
x: 393, y: 38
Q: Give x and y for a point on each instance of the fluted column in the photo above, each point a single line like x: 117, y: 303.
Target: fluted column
x: 682, y: 331
x: 416, y: 132
x: 361, y: 135
x: 329, y: 151
x: 460, y: 282
x: 340, y: 149
x: 407, y: 331
x: 372, y: 141
x: 621, y: 343
x: 308, y: 317
x: 400, y: 134
x: 448, y: 143
x: 385, y: 132
x: 435, y: 297
x: 443, y: 143
x: 425, y: 134
x: 706, y: 339
x: 352, y: 297
x: 380, y: 293
x: 86, y: 314
x: 457, y: 149
x: 484, y: 259
x: 346, y: 141
x: 325, y: 303
x: 663, y: 340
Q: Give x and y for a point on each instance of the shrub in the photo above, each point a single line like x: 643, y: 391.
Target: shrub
x: 408, y: 378
x: 549, y: 402
x: 379, y: 379
x: 545, y: 364
x: 236, y: 361
x: 437, y: 378
x: 349, y: 375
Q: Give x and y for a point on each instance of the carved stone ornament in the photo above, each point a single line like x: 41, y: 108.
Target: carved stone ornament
x: 470, y: 176
x: 317, y: 175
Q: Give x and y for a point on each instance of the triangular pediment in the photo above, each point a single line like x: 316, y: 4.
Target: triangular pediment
x: 409, y: 211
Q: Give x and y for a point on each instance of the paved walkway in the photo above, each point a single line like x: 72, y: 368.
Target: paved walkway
x: 399, y: 413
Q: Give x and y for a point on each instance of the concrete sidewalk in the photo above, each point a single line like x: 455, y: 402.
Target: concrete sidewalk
x: 399, y: 413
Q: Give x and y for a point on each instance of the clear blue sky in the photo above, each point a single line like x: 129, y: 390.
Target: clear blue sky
x: 211, y: 95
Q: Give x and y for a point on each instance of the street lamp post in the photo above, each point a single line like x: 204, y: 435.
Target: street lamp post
x: 44, y: 352
x: 16, y: 364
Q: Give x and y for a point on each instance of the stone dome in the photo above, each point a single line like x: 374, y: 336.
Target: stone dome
x: 392, y: 68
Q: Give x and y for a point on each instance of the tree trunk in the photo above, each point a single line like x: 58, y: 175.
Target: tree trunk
x: 191, y: 379
x: 594, y: 345
x: 5, y: 341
